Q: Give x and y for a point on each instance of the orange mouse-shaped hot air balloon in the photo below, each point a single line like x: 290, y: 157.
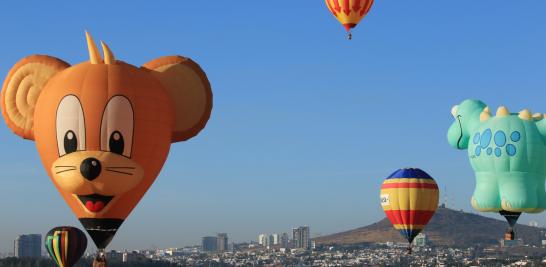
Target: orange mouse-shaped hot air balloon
x: 103, y: 128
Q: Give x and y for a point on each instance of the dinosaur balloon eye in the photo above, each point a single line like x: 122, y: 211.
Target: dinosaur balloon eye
x: 70, y: 142
x: 70, y: 126
x: 117, y: 126
x: 116, y: 142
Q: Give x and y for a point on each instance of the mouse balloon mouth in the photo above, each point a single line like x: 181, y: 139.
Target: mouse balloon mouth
x: 95, y: 202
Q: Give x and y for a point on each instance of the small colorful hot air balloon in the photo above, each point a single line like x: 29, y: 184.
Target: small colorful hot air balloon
x: 65, y: 245
x: 349, y: 12
x: 409, y: 198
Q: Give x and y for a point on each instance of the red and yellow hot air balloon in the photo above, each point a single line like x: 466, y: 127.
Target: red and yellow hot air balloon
x: 409, y: 198
x: 349, y: 12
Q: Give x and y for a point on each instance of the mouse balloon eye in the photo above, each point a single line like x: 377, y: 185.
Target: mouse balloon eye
x: 70, y: 126
x: 117, y: 126
x: 116, y: 142
x: 70, y: 142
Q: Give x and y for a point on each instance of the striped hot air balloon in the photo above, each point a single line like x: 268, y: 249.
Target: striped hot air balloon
x: 349, y: 12
x: 65, y: 245
x: 409, y: 198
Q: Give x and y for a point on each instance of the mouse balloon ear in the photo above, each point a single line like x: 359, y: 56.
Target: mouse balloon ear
x: 21, y: 90
x: 190, y: 92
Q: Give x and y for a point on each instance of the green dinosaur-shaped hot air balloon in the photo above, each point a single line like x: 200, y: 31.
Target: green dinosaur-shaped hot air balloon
x: 508, y: 154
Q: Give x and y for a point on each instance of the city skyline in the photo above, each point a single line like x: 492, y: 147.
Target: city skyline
x: 276, y: 241
x: 305, y: 124
x: 365, y: 254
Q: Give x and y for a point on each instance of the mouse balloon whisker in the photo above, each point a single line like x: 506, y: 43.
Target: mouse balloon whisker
x: 68, y: 170
x: 126, y: 173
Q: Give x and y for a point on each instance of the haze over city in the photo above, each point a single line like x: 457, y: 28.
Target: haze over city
x: 305, y: 124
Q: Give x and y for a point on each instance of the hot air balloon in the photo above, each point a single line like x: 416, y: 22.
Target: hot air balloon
x: 349, y: 12
x: 507, y: 152
x: 409, y: 198
x: 65, y: 245
x: 103, y: 128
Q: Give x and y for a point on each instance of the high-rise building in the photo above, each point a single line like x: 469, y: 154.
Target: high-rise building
x: 300, y: 236
x: 222, y: 242
x: 268, y: 240
x: 262, y: 239
x: 28, y: 246
x: 284, y: 240
x: 209, y: 243
x: 275, y: 238
x: 295, y: 237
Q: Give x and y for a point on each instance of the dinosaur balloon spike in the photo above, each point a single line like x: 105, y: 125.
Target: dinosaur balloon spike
x: 525, y: 114
x: 502, y: 111
x: 485, y: 115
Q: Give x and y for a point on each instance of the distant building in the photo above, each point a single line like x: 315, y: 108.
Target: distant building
x: 28, y: 246
x: 270, y: 240
x: 284, y: 240
x: 511, y: 243
x: 127, y: 257
x: 276, y: 239
x: 267, y: 240
x: 222, y: 242
x: 300, y: 236
x: 114, y: 255
x: 533, y: 224
x: 262, y: 239
x: 209, y: 243
x: 420, y: 240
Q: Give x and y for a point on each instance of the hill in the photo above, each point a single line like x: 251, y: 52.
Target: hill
x: 446, y: 228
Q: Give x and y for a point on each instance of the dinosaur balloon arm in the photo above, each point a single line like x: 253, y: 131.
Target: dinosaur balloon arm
x: 456, y: 137
x: 467, y: 120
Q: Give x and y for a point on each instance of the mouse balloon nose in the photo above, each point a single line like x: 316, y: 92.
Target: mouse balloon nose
x: 90, y: 168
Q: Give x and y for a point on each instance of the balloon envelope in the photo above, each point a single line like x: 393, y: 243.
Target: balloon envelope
x: 103, y: 128
x: 349, y: 12
x: 409, y: 198
x: 507, y: 152
x: 65, y: 245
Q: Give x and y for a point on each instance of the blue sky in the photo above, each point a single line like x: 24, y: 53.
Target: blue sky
x: 305, y: 125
